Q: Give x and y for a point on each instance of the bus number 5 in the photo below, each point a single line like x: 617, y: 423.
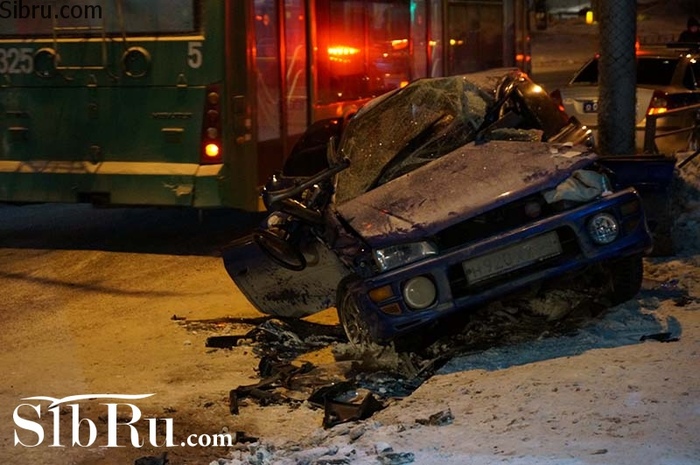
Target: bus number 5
x: 16, y: 61
x: 194, y: 54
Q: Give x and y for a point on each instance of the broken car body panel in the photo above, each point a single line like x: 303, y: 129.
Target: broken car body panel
x: 458, y: 186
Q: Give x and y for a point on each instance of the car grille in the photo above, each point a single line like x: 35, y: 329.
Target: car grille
x: 511, y: 216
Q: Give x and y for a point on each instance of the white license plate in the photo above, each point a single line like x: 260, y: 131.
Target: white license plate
x: 590, y: 106
x: 512, y: 257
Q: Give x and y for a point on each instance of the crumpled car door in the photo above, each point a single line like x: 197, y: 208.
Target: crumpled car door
x: 277, y: 291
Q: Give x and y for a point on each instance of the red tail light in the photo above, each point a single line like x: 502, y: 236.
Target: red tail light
x: 658, y: 103
x: 211, y: 150
x: 556, y: 96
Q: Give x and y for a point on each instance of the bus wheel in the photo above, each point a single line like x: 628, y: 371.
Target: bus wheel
x: 280, y: 249
x: 350, y: 315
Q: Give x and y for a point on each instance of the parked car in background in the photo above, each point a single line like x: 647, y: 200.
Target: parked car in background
x: 438, y: 198
x: 667, y: 79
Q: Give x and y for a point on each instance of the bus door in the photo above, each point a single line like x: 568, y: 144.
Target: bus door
x: 281, y: 80
x: 475, y: 35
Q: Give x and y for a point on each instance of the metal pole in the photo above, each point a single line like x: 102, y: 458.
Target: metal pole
x: 617, y: 77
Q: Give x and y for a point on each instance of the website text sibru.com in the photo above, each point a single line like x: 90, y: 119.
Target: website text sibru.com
x: 31, y: 424
x: 23, y: 9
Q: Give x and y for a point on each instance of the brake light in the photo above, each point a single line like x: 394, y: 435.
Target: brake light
x: 211, y: 127
x: 658, y: 103
x: 556, y: 96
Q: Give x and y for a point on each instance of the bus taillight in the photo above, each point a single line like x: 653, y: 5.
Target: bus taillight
x: 211, y: 127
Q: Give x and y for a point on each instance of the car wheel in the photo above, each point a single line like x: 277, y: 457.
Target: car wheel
x: 350, y: 315
x: 280, y: 249
x: 625, y: 278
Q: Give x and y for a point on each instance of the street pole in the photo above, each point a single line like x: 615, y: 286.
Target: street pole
x: 617, y: 76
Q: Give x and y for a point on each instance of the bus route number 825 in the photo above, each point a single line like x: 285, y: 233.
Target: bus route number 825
x: 16, y: 60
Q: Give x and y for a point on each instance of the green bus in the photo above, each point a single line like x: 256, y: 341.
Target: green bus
x: 194, y: 103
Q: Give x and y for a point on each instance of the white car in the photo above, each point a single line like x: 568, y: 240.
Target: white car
x: 667, y: 78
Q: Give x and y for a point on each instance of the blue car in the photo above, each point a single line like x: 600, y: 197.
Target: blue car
x: 436, y: 199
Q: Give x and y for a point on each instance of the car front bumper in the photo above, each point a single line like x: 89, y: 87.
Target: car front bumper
x: 392, y: 317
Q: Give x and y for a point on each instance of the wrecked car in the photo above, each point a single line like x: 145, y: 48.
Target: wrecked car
x: 436, y: 199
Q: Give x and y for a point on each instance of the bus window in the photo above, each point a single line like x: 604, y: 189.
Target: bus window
x: 266, y: 59
x: 435, y: 40
x: 475, y: 36
x: 270, y: 148
x: 296, y: 87
x: 155, y: 16
x: 91, y: 17
x: 363, y: 48
x: 419, y: 39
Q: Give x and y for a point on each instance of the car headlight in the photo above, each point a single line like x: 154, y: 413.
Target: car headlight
x: 603, y: 228
x: 392, y: 257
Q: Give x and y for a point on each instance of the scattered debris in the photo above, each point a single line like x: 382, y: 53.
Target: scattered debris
x: 275, y: 374
x: 162, y: 459
x: 368, y: 378
x: 396, y: 458
x: 442, y: 418
x: 661, y: 337
x: 240, y: 437
x: 224, y: 342
x: 286, y: 339
x: 344, y: 402
x: 663, y: 290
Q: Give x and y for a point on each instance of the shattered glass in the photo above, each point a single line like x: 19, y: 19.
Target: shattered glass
x: 419, y: 123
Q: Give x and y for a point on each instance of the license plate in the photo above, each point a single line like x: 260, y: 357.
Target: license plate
x: 512, y: 257
x: 590, y: 106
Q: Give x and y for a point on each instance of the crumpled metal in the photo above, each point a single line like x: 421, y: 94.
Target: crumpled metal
x: 581, y: 186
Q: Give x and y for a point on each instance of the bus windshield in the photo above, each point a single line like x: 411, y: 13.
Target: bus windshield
x: 67, y: 18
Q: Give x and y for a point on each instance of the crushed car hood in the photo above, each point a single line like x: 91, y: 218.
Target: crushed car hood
x: 459, y: 186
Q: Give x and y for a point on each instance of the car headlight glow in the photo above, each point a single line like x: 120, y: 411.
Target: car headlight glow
x: 603, y: 228
x: 419, y: 292
x: 397, y: 255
